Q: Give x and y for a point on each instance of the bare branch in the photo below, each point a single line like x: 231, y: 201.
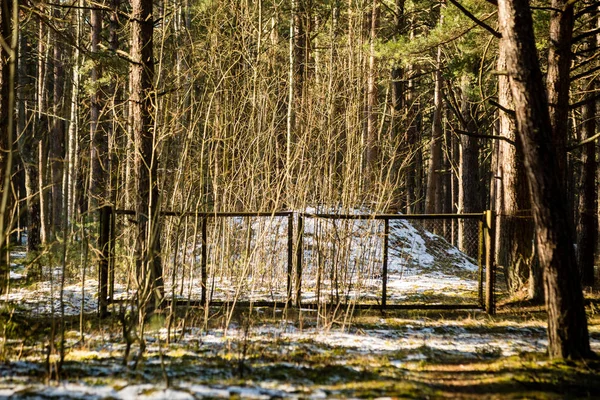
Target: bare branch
x: 473, y: 18
x: 483, y: 136
x: 584, y: 35
x: 508, y: 111
x: 583, y: 142
x: 585, y: 73
x: 585, y: 101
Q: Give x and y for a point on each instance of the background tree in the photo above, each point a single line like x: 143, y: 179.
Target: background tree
x: 8, y: 64
x: 149, y: 268
x: 587, y: 223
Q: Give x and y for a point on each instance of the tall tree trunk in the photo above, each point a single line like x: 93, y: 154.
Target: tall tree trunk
x: 587, y: 224
x: 447, y: 168
x: 294, y: 74
x: 567, y: 325
x: 57, y: 144
x: 28, y: 142
x: 8, y: 64
x: 149, y: 268
x: 400, y: 201
x: 115, y: 92
x: 98, y: 135
x: 72, y: 172
x: 514, y: 227
x: 433, y: 198
x: 371, y: 140
x: 468, y: 171
x: 454, y: 183
x: 558, y: 79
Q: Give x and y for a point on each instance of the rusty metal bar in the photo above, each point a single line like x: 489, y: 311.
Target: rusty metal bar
x: 299, y: 251
x: 311, y: 215
x: 384, y: 274
x: 290, y: 257
x: 203, y: 261
x: 393, y: 216
x: 111, y: 260
x: 490, y: 301
x: 213, y: 214
x: 480, y: 259
x: 103, y: 245
x: 315, y: 306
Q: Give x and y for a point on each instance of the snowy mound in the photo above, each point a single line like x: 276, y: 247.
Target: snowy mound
x: 414, y: 247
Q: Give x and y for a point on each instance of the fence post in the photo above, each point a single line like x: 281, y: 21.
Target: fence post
x: 481, y: 256
x: 290, y: 257
x: 299, y: 250
x: 203, y: 262
x: 111, y: 259
x: 384, y: 273
x: 490, y: 278
x: 103, y: 245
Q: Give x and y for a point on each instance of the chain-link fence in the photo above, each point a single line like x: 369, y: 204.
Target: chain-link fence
x: 307, y: 259
x: 392, y: 260
x: 220, y: 257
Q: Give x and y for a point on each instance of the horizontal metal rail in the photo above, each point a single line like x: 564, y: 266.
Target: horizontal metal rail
x: 393, y: 216
x: 315, y: 306
x: 208, y: 214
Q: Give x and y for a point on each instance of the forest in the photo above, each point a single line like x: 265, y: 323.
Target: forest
x: 299, y: 199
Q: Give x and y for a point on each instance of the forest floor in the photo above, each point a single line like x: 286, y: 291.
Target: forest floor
x: 405, y: 354
x: 271, y: 353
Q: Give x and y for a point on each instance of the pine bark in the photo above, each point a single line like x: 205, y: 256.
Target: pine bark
x: 149, y: 268
x: 57, y: 143
x: 6, y: 145
x: 587, y: 224
x: 567, y: 325
x: 433, y: 198
x: 28, y: 142
x: 468, y: 167
x: 371, y: 139
x: 514, y: 225
x: 98, y: 136
x: 558, y: 79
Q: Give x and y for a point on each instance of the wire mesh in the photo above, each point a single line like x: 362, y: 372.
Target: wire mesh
x: 433, y: 261
x: 342, y: 260
x: 338, y: 259
x: 246, y: 257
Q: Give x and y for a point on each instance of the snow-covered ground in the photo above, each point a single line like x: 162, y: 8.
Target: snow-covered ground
x: 309, y: 358
x: 279, y: 359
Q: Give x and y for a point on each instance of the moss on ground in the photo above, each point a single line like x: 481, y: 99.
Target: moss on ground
x: 254, y: 358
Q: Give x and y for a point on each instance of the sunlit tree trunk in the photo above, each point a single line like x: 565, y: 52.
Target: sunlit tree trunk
x: 567, y: 325
x: 43, y: 126
x: 468, y: 168
x: 433, y: 200
x: 514, y: 227
x: 371, y: 140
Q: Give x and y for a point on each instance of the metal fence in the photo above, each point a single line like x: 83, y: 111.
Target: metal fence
x: 385, y: 261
